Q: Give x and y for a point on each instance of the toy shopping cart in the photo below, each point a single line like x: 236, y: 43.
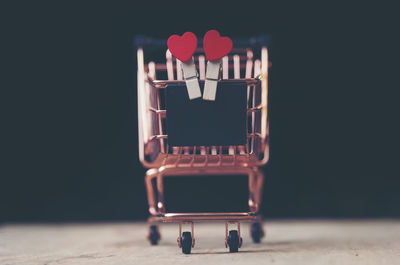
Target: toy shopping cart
x: 179, y: 137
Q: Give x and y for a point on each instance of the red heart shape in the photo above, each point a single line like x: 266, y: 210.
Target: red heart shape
x: 182, y: 47
x: 216, y: 46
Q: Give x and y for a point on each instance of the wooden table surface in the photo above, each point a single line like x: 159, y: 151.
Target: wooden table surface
x: 287, y: 242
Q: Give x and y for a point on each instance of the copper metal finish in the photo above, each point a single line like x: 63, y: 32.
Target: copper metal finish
x: 164, y: 160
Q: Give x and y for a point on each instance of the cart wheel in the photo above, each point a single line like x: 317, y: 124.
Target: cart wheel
x: 186, y: 242
x: 256, y: 232
x: 233, y: 241
x: 154, y: 235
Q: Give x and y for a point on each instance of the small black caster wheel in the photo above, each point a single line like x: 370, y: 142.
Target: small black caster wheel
x: 154, y: 235
x: 186, y: 242
x: 233, y: 241
x: 256, y: 232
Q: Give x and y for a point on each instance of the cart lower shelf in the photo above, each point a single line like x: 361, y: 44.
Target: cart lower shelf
x: 204, y: 217
x: 186, y: 240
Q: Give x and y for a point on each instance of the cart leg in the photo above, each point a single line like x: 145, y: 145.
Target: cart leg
x: 151, y: 199
x: 252, y: 196
x: 154, y: 234
x: 256, y: 185
x: 256, y: 181
x: 160, y: 190
x: 259, y: 192
x: 156, y: 205
x: 259, y: 183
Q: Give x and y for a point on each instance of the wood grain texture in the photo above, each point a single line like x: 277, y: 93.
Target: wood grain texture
x: 287, y: 242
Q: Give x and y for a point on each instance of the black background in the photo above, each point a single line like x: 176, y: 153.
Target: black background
x: 69, y: 139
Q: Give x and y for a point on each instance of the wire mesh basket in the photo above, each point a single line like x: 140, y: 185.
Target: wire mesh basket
x: 154, y: 149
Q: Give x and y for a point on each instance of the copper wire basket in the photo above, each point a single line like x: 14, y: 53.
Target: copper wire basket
x: 240, y: 66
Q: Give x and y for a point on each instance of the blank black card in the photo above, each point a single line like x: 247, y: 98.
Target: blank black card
x: 204, y: 123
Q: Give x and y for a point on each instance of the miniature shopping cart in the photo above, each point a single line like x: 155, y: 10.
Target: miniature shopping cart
x: 167, y: 153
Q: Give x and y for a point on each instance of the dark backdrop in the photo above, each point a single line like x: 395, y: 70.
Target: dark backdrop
x: 70, y: 128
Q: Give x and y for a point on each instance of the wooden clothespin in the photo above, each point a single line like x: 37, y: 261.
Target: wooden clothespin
x: 215, y: 47
x: 183, y: 48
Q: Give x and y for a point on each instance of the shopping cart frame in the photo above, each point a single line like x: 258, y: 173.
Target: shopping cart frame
x: 164, y: 160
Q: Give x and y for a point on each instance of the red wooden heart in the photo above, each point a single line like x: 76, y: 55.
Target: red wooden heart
x: 216, y: 46
x: 182, y: 47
